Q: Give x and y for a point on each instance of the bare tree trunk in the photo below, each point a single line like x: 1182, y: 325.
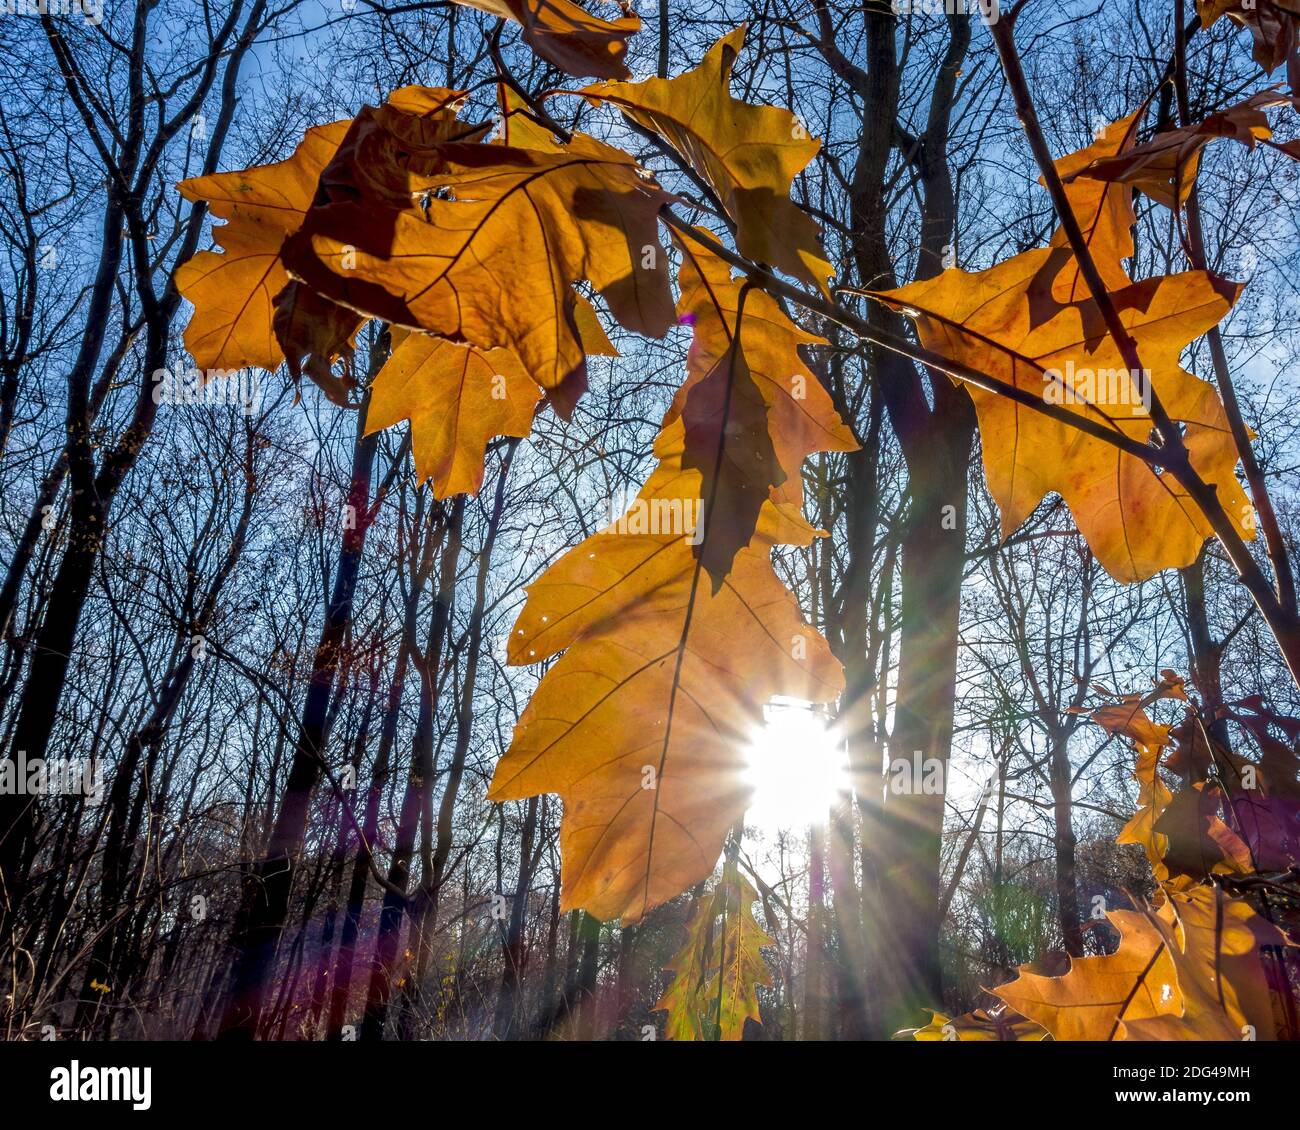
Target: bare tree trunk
x: 936, y: 443
x: 815, y: 986
x: 1206, y: 652
x: 267, y: 886
x: 585, y: 991
x: 384, y: 963
x: 505, y: 1023
x: 546, y: 1003
x: 424, y: 914
x: 1067, y: 886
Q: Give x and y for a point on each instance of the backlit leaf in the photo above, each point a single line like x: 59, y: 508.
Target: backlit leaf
x: 483, y: 244
x: 1005, y: 322
x: 565, y: 34
x: 1099, y: 995
x: 748, y: 154
x: 745, y: 369
x: 1274, y: 29
x: 1104, y: 213
x: 719, y: 968
x: 457, y: 398
x: 234, y: 290
x: 1216, y: 944
x: 641, y: 725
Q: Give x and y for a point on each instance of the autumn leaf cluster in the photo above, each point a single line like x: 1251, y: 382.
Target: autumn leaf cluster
x: 495, y: 255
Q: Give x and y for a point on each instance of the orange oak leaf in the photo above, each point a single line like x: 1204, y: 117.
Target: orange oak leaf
x: 1104, y: 213
x: 1005, y: 322
x: 1127, y: 713
x: 641, y: 725
x: 234, y: 291
x: 483, y: 244
x: 752, y: 409
x: 1165, y: 167
x: 566, y: 35
x: 457, y: 398
x: 1099, y: 995
x: 748, y: 154
x: 1274, y: 28
x: 1215, y: 943
x: 1192, y: 968
x: 247, y: 310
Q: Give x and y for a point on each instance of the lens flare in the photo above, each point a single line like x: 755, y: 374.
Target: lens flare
x: 797, y: 766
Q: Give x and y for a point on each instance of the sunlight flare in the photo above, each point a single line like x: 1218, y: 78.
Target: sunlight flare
x: 797, y: 765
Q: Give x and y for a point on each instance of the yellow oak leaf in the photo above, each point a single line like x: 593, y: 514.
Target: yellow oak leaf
x: 1127, y: 715
x: 234, y: 291
x: 752, y: 409
x: 1215, y: 943
x: 1104, y: 213
x: 1099, y: 995
x: 1153, y: 798
x: 748, y: 154
x: 641, y: 725
x: 1005, y: 322
x: 457, y: 398
x: 483, y: 243
x: 1191, y: 968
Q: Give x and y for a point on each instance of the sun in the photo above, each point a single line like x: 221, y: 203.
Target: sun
x: 796, y: 764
